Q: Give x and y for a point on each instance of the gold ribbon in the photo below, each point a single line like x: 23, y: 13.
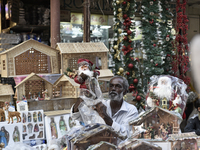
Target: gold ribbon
x: 127, y: 7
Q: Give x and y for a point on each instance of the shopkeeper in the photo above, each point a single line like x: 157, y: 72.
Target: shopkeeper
x: 116, y: 112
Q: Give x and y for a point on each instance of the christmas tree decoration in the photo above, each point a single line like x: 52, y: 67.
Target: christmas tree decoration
x: 130, y: 66
x: 138, y: 98
x: 135, y: 81
x: 121, y: 70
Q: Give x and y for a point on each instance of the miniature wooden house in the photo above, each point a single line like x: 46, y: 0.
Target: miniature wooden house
x: 185, y: 141
x: 133, y: 144
x: 66, y: 87
x: 33, y: 86
x: 158, y: 123
x: 71, y: 52
x: 102, y: 146
x: 94, y: 135
x: 104, y: 79
x: 6, y: 92
x: 27, y: 57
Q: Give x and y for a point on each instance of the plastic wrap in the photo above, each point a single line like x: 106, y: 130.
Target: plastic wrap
x: 167, y: 92
x: 91, y: 96
x: 89, y: 115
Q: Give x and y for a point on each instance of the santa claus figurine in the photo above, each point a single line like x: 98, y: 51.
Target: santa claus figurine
x: 85, y: 72
x: 176, y: 104
x: 161, y: 94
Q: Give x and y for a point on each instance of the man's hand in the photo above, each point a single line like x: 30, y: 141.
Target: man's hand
x: 101, y: 109
x: 75, y: 108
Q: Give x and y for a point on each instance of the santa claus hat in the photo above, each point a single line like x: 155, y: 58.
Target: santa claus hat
x: 82, y: 61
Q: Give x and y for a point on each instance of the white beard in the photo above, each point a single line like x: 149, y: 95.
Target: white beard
x: 87, y: 72
x: 116, y: 97
x: 177, y: 101
x: 163, y: 91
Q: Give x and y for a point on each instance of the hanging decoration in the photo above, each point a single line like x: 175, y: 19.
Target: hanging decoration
x: 181, y: 60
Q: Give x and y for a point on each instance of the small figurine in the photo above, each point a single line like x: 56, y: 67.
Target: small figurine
x: 36, y: 128
x: 39, y: 116
x: 176, y: 105
x: 30, y: 127
x: 152, y: 99
x: 4, y: 134
x: 13, y: 114
x: 24, y: 118
x: 30, y: 96
x: 34, y: 117
x: 16, y: 135
x: 24, y: 128
x: 40, y: 134
x: 163, y: 131
x: 62, y: 124
x: 29, y: 117
x: 54, y: 133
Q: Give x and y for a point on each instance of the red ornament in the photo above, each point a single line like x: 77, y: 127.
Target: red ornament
x: 135, y: 81
x: 168, y: 55
x: 154, y: 45
x: 130, y: 66
x: 168, y: 35
x: 167, y: 9
x: 128, y: 73
x: 129, y: 41
x: 138, y: 98
x: 125, y: 16
x: 124, y: 23
x: 125, y: 38
x: 156, y: 65
x: 124, y: 3
x: 129, y: 32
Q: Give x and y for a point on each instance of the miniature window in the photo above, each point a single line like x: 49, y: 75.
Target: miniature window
x: 4, y: 65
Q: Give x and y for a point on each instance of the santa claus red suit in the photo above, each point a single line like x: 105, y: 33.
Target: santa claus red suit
x: 85, y: 71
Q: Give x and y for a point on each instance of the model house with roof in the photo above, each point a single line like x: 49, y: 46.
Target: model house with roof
x: 71, y: 52
x: 27, y: 57
x: 187, y: 141
x: 94, y: 135
x: 33, y: 87
x: 66, y: 87
x: 157, y: 123
x: 6, y: 93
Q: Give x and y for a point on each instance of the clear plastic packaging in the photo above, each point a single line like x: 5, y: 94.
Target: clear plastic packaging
x: 91, y: 96
x: 167, y: 92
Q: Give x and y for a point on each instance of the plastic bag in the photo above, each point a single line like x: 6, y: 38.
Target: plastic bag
x: 167, y: 92
x: 89, y: 115
x: 91, y: 96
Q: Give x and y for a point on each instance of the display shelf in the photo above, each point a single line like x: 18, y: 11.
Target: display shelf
x: 29, y: 28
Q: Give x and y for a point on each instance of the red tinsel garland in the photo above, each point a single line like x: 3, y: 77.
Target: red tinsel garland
x: 181, y: 60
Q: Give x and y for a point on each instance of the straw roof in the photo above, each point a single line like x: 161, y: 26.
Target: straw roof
x: 30, y: 44
x: 32, y: 76
x: 69, y: 48
x: 6, y: 90
x: 64, y: 78
x: 138, y: 144
x: 183, y: 136
x: 95, y: 130
x: 100, y: 144
x: 139, y: 120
